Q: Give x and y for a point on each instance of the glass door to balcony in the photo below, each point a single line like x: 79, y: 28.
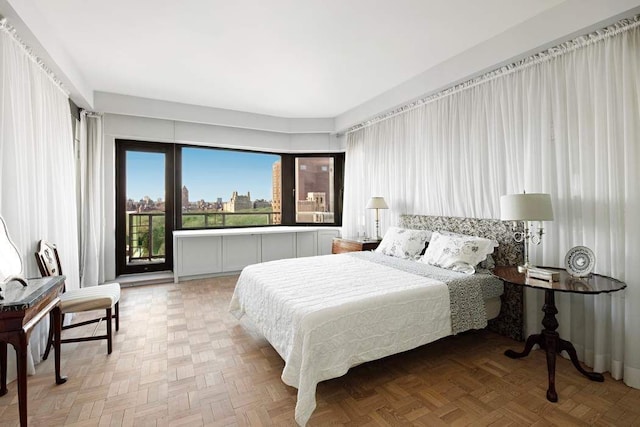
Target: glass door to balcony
x: 144, y: 203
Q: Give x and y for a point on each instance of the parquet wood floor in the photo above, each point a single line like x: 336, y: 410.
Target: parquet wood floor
x: 181, y: 360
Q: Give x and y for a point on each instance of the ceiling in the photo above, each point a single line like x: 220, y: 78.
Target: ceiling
x: 287, y: 58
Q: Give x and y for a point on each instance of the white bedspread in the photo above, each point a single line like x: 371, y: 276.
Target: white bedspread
x: 326, y: 314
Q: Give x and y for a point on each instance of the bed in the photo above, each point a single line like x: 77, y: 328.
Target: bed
x: 326, y: 314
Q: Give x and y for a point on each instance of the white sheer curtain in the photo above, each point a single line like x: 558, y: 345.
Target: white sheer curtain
x: 92, y: 203
x: 566, y: 122
x: 37, y: 181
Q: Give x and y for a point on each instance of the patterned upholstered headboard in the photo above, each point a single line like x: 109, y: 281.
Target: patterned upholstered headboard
x: 508, y: 252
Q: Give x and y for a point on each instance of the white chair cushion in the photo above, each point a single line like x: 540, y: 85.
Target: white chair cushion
x: 92, y: 298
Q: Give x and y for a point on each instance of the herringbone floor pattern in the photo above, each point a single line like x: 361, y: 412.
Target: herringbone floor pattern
x: 181, y: 360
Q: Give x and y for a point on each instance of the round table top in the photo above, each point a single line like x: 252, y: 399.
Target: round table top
x: 592, y: 284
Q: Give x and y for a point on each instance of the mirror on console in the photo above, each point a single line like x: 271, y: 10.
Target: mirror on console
x: 10, y: 260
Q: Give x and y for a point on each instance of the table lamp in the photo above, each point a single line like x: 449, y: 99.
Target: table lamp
x: 377, y: 203
x: 526, y: 207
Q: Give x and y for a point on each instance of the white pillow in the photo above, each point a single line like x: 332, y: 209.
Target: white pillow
x: 457, y: 252
x: 403, y: 243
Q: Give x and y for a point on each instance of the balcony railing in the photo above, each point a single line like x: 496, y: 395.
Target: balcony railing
x: 146, y: 231
x: 146, y: 237
x: 228, y: 219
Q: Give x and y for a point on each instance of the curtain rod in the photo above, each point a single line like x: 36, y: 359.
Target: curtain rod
x: 11, y: 31
x: 544, y: 56
x: 88, y: 113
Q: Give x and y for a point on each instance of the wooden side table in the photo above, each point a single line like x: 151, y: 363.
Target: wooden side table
x: 21, y: 309
x: 343, y: 244
x: 549, y: 339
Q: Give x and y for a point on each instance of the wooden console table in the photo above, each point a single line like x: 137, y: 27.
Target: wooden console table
x: 20, y: 310
x: 549, y: 339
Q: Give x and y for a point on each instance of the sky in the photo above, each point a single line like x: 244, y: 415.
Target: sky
x: 207, y: 173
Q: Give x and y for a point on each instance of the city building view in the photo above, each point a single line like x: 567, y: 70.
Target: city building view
x: 314, y: 200
x: 276, y: 191
x: 239, y: 210
x: 314, y: 190
x: 204, y: 174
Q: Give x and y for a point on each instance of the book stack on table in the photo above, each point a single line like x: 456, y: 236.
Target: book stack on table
x: 543, y: 274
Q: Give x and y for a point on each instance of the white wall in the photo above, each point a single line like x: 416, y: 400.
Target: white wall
x: 118, y: 126
x: 566, y: 20
x: 563, y: 22
x: 157, y: 109
x: 39, y: 36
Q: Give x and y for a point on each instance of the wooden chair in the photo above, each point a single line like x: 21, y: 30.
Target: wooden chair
x: 102, y: 297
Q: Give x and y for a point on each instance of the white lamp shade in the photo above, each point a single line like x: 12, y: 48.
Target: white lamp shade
x: 377, y: 203
x: 526, y: 207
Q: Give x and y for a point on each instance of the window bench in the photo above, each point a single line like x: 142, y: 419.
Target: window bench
x: 202, y: 253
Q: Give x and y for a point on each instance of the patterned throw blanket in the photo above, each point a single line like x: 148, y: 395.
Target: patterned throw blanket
x: 466, y: 292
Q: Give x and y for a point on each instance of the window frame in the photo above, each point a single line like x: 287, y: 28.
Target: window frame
x: 122, y: 146
x: 287, y: 187
x: 338, y: 188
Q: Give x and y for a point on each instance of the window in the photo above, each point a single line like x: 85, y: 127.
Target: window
x: 229, y: 188
x: 144, y: 206
x: 315, y: 190
x: 164, y: 187
x: 145, y: 189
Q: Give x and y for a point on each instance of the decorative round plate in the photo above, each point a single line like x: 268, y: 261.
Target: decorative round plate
x: 579, y: 261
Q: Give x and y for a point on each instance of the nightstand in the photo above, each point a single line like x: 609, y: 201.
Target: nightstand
x: 345, y: 244
x: 549, y: 339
